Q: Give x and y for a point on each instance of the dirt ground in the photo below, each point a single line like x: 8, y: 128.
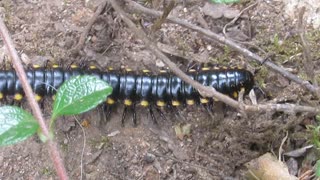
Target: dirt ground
x: 217, y: 147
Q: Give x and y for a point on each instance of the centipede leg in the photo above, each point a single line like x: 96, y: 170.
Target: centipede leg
x: 191, y: 65
x: 10, y: 102
x: 161, y: 114
x: 208, y: 109
x: 41, y: 102
x: 107, y: 110
x: 178, y: 113
x: 124, y: 115
x: 134, y: 116
x: 152, y: 115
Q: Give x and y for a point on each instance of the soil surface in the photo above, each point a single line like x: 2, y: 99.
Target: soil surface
x: 218, y: 144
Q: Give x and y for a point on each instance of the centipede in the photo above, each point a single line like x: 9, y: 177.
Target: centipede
x: 145, y: 89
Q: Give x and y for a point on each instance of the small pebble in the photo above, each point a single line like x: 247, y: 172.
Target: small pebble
x: 149, y: 158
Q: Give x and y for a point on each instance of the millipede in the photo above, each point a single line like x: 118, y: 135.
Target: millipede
x: 145, y: 89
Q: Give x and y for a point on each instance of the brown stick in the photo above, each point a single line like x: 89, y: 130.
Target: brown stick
x: 138, y: 8
x: 307, y: 63
x: 204, y: 90
x: 87, y: 29
x: 52, y: 148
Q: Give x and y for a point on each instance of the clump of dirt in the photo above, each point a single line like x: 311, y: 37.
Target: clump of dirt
x: 217, y: 146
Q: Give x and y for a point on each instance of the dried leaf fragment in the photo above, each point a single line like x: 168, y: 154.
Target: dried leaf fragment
x: 268, y: 167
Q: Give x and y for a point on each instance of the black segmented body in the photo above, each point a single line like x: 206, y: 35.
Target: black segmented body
x: 158, y: 89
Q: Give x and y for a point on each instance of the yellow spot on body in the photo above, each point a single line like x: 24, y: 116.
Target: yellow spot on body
x: 145, y: 71
x: 1, y: 96
x: 128, y: 70
x: 235, y: 94
x: 38, y: 97
x: 55, y: 66
x: 175, y: 103
x: 204, y: 100
x: 73, y: 66
x: 110, y: 101
x: 93, y: 67
x: 110, y: 68
x: 127, y: 102
x: 205, y: 68
x: 18, y: 97
x: 190, y: 102
x: 216, y: 68
x: 191, y: 70
x: 36, y: 66
x: 239, y: 67
x: 144, y: 103
x: 224, y: 67
x: 161, y: 103
x: 163, y: 71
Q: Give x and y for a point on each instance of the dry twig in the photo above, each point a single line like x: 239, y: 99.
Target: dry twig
x: 308, y: 64
x: 204, y: 90
x: 52, y: 148
x: 237, y: 17
x: 141, y: 9
x: 79, y: 46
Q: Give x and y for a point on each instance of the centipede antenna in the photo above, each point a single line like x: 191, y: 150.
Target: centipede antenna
x: 152, y: 115
x: 124, y: 115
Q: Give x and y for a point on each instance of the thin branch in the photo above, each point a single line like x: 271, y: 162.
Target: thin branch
x: 141, y: 9
x: 182, y: 54
x: 289, y: 108
x: 237, y: 17
x: 52, y: 148
x: 308, y: 64
x: 87, y: 29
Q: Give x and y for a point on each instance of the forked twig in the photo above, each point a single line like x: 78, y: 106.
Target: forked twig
x: 141, y: 9
x: 237, y: 17
x: 52, y: 148
x: 87, y: 29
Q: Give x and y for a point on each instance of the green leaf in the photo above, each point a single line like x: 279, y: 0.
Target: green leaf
x: 318, y: 168
x: 16, y: 125
x: 80, y: 94
x: 224, y: 1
